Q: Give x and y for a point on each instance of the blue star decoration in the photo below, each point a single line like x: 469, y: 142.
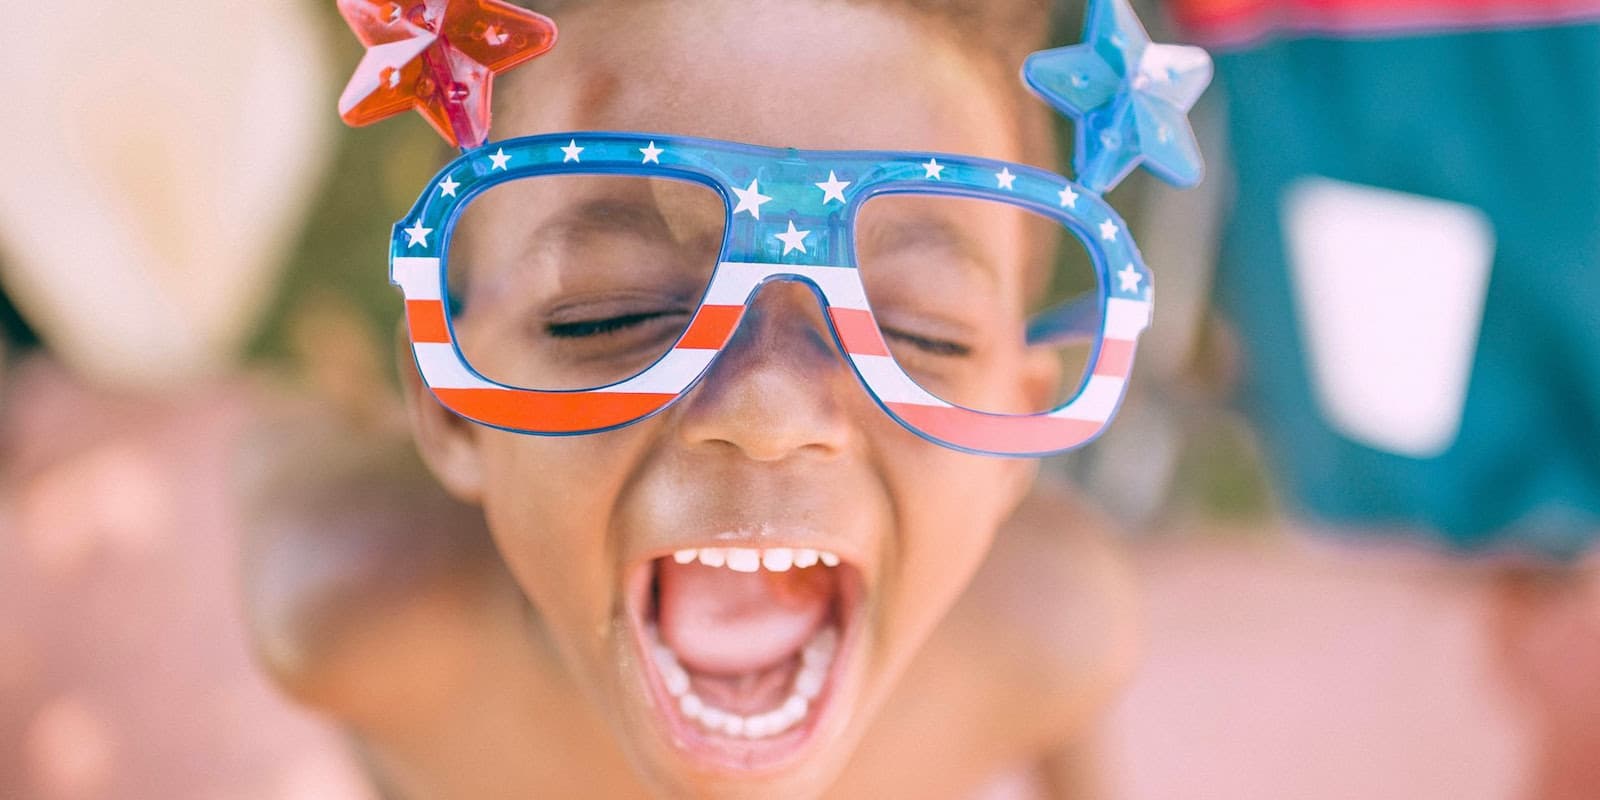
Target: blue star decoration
x: 1130, y: 98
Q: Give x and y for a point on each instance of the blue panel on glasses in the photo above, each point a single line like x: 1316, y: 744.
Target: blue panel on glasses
x: 784, y: 206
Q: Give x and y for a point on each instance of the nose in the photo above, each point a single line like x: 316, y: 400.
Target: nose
x: 779, y: 389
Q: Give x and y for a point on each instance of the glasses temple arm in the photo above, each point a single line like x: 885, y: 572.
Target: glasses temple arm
x: 1075, y: 320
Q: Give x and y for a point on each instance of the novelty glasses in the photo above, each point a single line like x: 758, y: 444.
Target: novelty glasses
x: 579, y: 282
x: 576, y: 283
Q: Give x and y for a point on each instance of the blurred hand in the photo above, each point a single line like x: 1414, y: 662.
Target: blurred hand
x: 1547, y: 634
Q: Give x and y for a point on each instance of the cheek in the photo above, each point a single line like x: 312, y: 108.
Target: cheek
x: 549, y: 503
x: 995, y: 378
x: 1006, y: 378
x: 950, y: 507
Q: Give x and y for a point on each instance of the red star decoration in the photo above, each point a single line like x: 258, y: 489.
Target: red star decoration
x: 438, y: 57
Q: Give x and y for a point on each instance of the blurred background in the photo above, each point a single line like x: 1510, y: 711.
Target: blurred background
x: 1360, y: 470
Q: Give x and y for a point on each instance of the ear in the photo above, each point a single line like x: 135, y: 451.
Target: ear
x: 1041, y: 377
x: 448, y: 444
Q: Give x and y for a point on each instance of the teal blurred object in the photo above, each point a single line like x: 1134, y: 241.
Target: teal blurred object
x: 1472, y: 160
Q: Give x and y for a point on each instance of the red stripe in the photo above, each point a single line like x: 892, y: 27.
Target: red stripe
x: 711, y: 327
x: 563, y: 412
x: 1232, y: 22
x: 1116, y: 358
x: 859, y: 332
x: 427, y: 322
x: 997, y: 434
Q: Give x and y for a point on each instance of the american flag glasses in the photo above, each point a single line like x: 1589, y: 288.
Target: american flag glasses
x: 579, y: 282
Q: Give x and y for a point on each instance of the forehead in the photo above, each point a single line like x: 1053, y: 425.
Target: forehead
x: 811, y: 74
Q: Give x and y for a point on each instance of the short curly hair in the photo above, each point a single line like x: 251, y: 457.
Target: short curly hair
x: 1000, y: 34
x: 997, y: 36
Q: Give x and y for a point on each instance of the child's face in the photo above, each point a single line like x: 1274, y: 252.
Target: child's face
x: 778, y: 446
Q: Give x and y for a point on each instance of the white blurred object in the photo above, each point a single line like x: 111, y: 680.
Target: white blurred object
x: 156, y: 160
x: 1390, y: 289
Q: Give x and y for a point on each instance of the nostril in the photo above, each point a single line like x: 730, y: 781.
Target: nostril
x: 765, y: 411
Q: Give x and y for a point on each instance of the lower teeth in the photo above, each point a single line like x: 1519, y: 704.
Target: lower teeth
x: 815, y: 661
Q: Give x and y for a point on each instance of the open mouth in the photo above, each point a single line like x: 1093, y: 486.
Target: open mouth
x: 744, y: 649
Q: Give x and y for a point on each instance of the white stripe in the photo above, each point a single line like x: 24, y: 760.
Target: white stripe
x: 671, y: 375
x: 1098, y: 401
x: 418, y: 278
x: 442, y: 369
x: 891, y: 384
x: 1126, y: 319
x: 735, y: 281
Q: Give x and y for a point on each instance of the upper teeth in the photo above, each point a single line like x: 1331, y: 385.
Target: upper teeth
x: 751, y: 559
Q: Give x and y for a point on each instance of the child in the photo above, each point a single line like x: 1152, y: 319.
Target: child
x: 968, y: 623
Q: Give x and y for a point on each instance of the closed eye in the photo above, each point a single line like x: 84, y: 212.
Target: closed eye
x: 600, y: 327
x: 935, y: 347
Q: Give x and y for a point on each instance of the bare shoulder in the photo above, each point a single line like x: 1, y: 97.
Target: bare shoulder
x: 363, y: 580
x: 1052, y: 612
x: 1023, y: 666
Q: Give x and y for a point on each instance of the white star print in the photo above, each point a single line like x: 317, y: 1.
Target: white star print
x: 1109, y: 230
x: 1069, y: 198
x: 832, y: 188
x: 652, y: 154
x: 1006, y: 179
x: 793, y: 240
x: 935, y: 169
x: 572, y: 152
x: 500, y: 159
x: 751, y: 199
x: 448, y: 187
x: 1130, y: 279
x: 417, y: 234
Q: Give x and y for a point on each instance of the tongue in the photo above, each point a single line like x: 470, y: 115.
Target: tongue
x: 721, y: 622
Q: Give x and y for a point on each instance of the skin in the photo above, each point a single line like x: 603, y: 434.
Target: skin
x: 379, y: 601
x: 545, y: 694
x: 1545, y: 630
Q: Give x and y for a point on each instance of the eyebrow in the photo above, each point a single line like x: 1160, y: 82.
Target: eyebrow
x: 606, y: 215
x: 923, y: 233
x: 593, y: 217
x: 587, y: 218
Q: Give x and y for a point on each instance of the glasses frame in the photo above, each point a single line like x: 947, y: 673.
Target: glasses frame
x: 766, y: 192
